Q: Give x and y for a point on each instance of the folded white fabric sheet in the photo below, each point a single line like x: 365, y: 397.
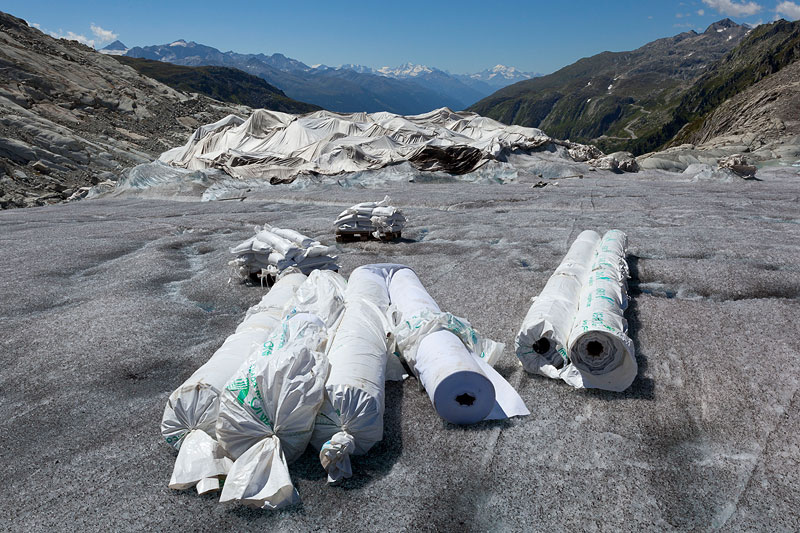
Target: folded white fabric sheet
x: 351, y: 418
x: 450, y: 358
x: 601, y: 352
x: 273, y: 250
x: 191, y: 412
x: 268, y: 408
x: 378, y: 218
x: 542, y: 342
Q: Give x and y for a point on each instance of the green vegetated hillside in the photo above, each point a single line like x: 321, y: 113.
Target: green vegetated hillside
x: 765, y: 51
x: 613, y: 98
x: 653, y: 97
x: 222, y: 83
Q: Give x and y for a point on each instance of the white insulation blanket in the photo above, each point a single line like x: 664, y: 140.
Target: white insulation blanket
x: 575, y: 330
x: 278, y: 146
x: 451, y: 360
x: 190, y: 415
x: 273, y: 250
x: 267, y: 410
x: 351, y: 418
x: 377, y: 218
x: 541, y: 344
x: 599, y: 347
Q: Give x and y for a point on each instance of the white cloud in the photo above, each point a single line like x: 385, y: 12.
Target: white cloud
x: 734, y: 8
x: 72, y: 36
x: 789, y: 9
x: 103, y: 36
x: 701, y: 12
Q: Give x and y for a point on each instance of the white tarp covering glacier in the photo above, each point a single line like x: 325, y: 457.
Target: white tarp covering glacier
x: 279, y: 147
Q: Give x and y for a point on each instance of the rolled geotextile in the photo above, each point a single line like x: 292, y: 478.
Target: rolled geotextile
x: 542, y: 342
x: 351, y: 418
x: 191, y: 411
x: 458, y: 388
x: 599, y: 347
x: 268, y: 408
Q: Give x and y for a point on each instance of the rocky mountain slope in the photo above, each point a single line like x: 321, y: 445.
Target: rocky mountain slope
x: 746, y: 93
x: 70, y: 117
x: 342, y: 90
x: 764, y: 112
x: 221, y: 83
x: 613, y: 97
x: 461, y: 90
x: 348, y: 88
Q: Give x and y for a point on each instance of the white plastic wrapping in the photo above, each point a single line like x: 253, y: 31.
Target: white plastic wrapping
x: 542, y: 342
x: 377, y: 218
x: 273, y: 250
x: 451, y: 360
x: 351, y: 418
x: 191, y: 411
x: 601, y: 352
x: 268, y: 410
x: 278, y: 147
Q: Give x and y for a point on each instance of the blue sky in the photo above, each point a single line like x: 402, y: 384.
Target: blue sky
x: 459, y: 36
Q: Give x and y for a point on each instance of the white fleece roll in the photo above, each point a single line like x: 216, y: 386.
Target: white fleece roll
x: 449, y: 357
x: 542, y: 341
x: 601, y: 352
x: 268, y: 409
x: 192, y: 409
x: 351, y: 418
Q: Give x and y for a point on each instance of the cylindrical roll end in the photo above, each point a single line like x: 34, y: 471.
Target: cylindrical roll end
x: 464, y: 397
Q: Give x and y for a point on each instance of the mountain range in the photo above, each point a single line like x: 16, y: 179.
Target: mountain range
x: 70, y: 117
x: 408, y: 89
x: 222, y: 83
x: 613, y: 98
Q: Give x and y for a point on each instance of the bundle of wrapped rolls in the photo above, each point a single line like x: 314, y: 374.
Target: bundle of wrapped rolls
x: 351, y: 418
x: 268, y: 408
x: 378, y: 219
x: 272, y: 250
x: 541, y: 344
x: 451, y: 360
x: 601, y: 352
x: 575, y: 329
x: 191, y: 412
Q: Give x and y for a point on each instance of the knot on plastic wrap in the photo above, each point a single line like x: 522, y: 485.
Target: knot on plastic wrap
x: 260, y: 477
x: 200, y: 461
x: 335, y: 457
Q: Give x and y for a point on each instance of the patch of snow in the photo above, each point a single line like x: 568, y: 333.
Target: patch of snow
x: 406, y: 70
x: 179, y: 42
x: 610, y: 86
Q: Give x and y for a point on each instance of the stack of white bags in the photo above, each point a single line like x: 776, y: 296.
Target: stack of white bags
x: 378, y: 219
x: 575, y: 330
x: 309, y: 365
x: 272, y: 250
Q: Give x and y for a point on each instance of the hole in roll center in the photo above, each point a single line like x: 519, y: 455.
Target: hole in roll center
x: 542, y: 346
x: 594, y: 348
x: 465, y: 399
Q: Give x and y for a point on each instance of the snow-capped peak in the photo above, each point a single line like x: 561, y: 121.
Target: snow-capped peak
x: 502, y: 72
x: 179, y: 42
x: 408, y: 69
